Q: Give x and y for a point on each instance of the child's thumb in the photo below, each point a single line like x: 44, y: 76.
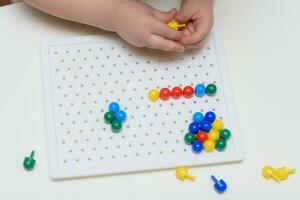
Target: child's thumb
x: 165, y: 16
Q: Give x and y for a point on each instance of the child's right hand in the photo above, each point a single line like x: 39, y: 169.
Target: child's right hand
x: 144, y: 26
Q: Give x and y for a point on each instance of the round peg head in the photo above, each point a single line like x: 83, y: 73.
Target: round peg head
x: 217, y: 125
x: 189, y: 138
x: 210, y: 116
x: 153, y: 95
x: 176, y: 92
x: 225, y: 134
x: 205, y: 126
x: 201, y: 136
x: 164, y: 94
x: 267, y: 171
x: 120, y: 116
x: 209, y: 146
x: 220, y: 144
x: 188, y: 92
x: 213, y: 135
x: 194, y: 127
x: 211, y: 89
x: 198, y: 117
x: 200, y: 90
x: 113, y: 107
x: 109, y: 117
x: 197, y: 147
x: 116, y: 126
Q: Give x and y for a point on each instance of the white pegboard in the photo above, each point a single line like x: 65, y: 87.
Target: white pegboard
x: 83, y: 75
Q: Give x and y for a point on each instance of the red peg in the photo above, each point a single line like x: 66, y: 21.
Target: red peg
x: 188, y: 92
x: 164, y: 94
x: 176, y: 92
x: 201, y: 136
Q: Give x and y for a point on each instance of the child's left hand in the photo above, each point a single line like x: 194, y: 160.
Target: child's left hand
x: 198, y: 16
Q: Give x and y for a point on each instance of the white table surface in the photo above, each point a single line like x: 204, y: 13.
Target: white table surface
x: 262, y: 45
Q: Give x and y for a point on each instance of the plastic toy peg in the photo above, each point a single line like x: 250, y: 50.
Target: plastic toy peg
x: 209, y: 145
x: 116, y: 126
x: 175, y: 25
x: 205, y: 126
x: 153, y: 95
x: 225, y: 134
x: 29, y: 162
x: 113, y: 107
x: 120, y: 116
x: 210, y: 116
x: 188, y: 92
x: 165, y: 94
x: 197, y: 147
x: 182, y: 174
x: 200, y: 90
x: 189, y: 138
x: 201, y: 136
x: 221, y: 144
x: 109, y: 117
x: 282, y: 173
x: 211, y: 89
x: 217, y: 125
x: 219, y: 185
x: 268, y: 171
x: 213, y: 135
x: 194, y: 127
x: 176, y: 92
x: 198, y: 117
x: 278, y: 175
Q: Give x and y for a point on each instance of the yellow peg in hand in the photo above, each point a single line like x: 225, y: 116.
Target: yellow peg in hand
x: 175, y: 25
x: 182, y: 173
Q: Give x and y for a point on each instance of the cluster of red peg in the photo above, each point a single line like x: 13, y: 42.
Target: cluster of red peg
x: 176, y: 93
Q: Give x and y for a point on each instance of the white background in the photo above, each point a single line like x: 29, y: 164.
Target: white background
x: 262, y: 45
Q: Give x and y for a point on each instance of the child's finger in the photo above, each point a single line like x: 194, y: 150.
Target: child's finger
x: 165, y: 31
x: 190, y: 27
x: 181, y: 19
x: 158, y: 42
x: 165, y: 16
x: 201, y: 27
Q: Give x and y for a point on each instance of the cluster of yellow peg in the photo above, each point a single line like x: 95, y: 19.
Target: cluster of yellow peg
x: 278, y: 175
x: 182, y: 173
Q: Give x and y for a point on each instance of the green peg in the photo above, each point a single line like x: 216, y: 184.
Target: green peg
x: 116, y: 126
x: 220, y: 144
x: 211, y: 89
x: 225, y: 134
x: 189, y: 138
x: 109, y: 117
x: 29, y: 162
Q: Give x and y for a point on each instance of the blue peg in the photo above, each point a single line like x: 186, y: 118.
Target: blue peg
x: 219, y: 185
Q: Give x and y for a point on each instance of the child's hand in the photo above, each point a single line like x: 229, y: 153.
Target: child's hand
x: 142, y: 25
x: 198, y: 16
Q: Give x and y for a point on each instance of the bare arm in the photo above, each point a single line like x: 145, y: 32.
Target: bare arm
x: 137, y: 23
x: 98, y: 13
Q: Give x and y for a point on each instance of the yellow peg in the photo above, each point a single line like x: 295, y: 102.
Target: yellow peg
x: 182, y: 173
x: 175, y: 25
x: 282, y: 173
x: 153, y: 95
x: 268, y: 172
